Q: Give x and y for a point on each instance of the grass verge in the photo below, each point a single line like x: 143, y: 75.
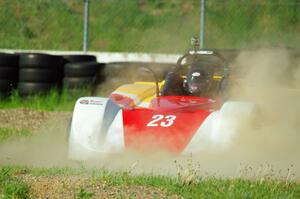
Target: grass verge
x: 11, y: 187
x: 52, y: 101
x: 197, y: 188
x: 149, y: 26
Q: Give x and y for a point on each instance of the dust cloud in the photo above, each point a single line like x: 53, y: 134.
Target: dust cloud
x: 268, y: 146
x: 269, y: 78
x: 46, y: 148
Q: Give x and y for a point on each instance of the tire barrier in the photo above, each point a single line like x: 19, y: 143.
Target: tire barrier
x: 11, y: 60
x: 81, y: 71
x: 8, y: 73
x: 79, y: 58
x: 40, y: 61
x: 9, y: 64
x: 5, y: 86
x: 78, y: 82
x: 33, y: 88
x: 39, y: 73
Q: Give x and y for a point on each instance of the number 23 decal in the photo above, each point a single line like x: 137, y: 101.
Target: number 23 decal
x: 162, y: 120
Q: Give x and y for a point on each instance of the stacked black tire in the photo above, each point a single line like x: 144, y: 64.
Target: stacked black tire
x: 8, y: 73
x: 39, y: 73
x: 81, y: 71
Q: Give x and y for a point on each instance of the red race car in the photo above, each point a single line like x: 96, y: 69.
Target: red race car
x: 181, y: 115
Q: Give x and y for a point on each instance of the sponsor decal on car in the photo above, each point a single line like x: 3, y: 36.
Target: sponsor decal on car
x: 84, y: 101
x: 91, y: 102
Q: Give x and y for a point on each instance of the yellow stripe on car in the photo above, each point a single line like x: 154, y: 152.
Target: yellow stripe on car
x: 140, y: 91
x: 217, y: 77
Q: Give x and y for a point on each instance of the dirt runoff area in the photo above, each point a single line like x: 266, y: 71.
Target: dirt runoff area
x: 46, y: 148
x: 27, y: 119
x: 83, y: 187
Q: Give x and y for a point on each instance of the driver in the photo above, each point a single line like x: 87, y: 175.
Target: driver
x: 173, y: 84
x: 198, y: 73
x: 197, y: 83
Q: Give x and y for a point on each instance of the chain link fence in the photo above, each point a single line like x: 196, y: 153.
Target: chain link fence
x: 160, y: 26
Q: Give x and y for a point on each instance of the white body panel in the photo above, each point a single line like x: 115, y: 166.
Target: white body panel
x: 88, y: 139
x: 220, y: 127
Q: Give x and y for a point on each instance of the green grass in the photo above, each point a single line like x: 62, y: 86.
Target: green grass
x: 52, y: 101
x: 197, y: 188
x: 149, y: 26
x: 11, y: 187
x: 84, y: 194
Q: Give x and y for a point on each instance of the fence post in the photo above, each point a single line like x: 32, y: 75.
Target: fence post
x: 86, y: 25
x: 202, y: 23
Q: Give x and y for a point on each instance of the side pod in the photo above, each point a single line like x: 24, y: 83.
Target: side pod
x: 96, y: 127
x: 220, y: 127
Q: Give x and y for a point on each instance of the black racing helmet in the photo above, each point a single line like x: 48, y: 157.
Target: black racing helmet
x: 197, y: 82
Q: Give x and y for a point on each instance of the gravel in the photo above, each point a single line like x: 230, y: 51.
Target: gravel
x: 66, y: 186
x: 78, y: 186
x: 27, y: 119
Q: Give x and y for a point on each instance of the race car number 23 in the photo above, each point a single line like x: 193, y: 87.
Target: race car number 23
x: 162, y: 120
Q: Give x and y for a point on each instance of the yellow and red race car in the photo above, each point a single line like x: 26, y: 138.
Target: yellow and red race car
x: 146, y: 117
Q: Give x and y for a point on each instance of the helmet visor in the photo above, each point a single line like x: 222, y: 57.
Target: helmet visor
x: 196, y: 82
x: 195, y: 87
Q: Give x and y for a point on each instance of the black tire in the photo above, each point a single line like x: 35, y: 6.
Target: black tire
x: 78, y: 82
x: 8, y: 73
x: 9, y: 60
x: 36, y: 60
x: 37, y: 75
x: 5, y: 85
x: 29, y: 88
x: 83, y: 69
x: 79, y: 58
